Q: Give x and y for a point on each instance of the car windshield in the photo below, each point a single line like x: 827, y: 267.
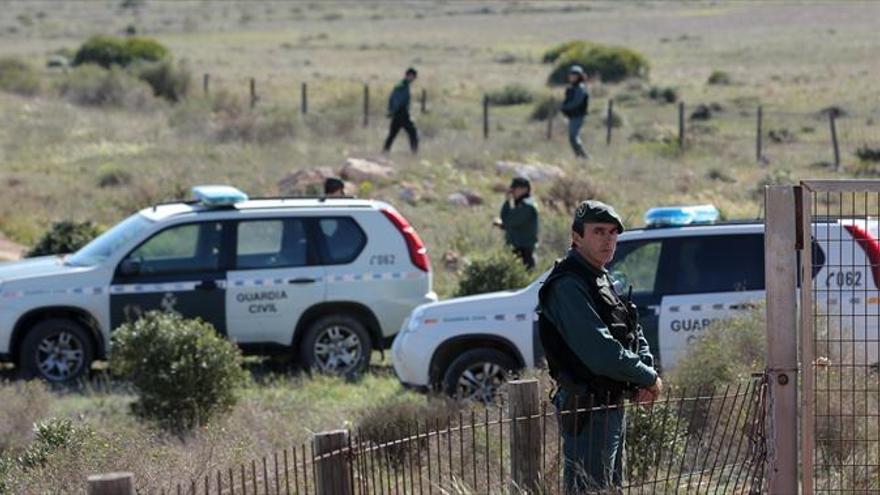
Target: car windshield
x: 103, y: 246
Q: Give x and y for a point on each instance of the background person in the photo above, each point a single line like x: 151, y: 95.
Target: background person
x: 398, y: 111
x: 576, y: 106
x: 334, y: 187
x: 519, y: 220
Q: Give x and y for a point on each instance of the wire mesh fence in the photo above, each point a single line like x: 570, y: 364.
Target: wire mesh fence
x: 704, y: 442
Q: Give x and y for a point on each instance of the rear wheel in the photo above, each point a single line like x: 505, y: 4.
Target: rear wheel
x: 336, y: 345
x: 478, y: 374
x: 56, y: 350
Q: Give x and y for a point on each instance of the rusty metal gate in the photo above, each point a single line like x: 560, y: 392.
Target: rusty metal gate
x: 837, y: 237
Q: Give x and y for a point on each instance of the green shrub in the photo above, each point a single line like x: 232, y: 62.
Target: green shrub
x: 113, y: 176
x: 777, y: 177
x: 553, y: 54
x: 24, y: 403
x: 545, y: 108
x: 500, y: 270
x: 566, y: 193
x: 398, y: 419
x: 610, y: 63
x: 616, y: 119
x: 182, y: 371
x: 650, y: 430
x: 512, y: 94
x: 720, y: 78
x: 92, y: 85
x: 52, y: 436
x: 64, y: 237
x: 169, y: 81
x: 110, y: 50
x: 666, y: 94
x: 868, y: 153
x: 19, y: 77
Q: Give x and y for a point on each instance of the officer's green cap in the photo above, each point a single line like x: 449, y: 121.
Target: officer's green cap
x: 593, y: 211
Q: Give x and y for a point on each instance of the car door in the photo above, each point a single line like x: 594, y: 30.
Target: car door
x: 711, y: 277
x: 637, y: 264
x: 180, y: 269
x: 275, y: 277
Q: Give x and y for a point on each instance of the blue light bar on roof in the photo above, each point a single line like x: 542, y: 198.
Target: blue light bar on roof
x: 218, y: 195
x: 674, y: 216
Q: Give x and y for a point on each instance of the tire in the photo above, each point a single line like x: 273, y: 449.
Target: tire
x: 57, y: 351
x: 350, y: 359
x: 477, y: 374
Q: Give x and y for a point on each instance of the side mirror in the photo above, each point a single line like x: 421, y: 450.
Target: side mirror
x: 129, y: 267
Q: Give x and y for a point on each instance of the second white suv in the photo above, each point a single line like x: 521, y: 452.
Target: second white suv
x: 326, y: 280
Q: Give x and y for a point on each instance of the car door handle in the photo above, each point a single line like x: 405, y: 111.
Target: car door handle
x: 207, y: 285
x: 743, y: 306
x: 301, y: 281
x: 653, y: 308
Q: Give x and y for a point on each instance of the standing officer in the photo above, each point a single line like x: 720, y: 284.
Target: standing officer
x: 398, y: 111
x: 595, y: 351
x: 575, y: 107
x: 519, y: 220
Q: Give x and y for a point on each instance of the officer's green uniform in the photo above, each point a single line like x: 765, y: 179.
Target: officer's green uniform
x: 520, y: 224
x: 597, y: 355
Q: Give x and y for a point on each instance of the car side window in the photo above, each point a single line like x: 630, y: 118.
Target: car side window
x: 343, y: 238
x: 636, y: 263
x: 272, y: 243
x: 184, y: 248
x: 722, y: 263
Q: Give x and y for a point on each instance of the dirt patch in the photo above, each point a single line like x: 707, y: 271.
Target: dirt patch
x: 10, y: 250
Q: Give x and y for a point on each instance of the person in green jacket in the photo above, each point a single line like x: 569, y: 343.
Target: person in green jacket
x: 519, y: 220
x: 595, y: 350
x: 398, y: 112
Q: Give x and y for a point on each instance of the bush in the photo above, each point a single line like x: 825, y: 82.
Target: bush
x: 24, y: 403
x: 169, y: 81
x: 557, y: 51
x: 650, y: 430
x: 610, y: 63
x: 182, y: 371
x: 567, y: 193
x: 262, y: 126
x: 112, y: 176
x: 92, y: 85
x: 500, y: 270
x: 64, y: 237
x: 52, y: 436
x: 545, y: 108
x: 398, y: 419
x: 867, y: 153
x: 107, y: 51
x: 777, y: 177
x: 666, y: 94
x: 719, y: 77
x: 19, y: 77
x: 512, y: 94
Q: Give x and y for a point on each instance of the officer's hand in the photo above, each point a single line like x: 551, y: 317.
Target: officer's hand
x: 656, y: 388
x: 498, y: 223
x: 645, y: 396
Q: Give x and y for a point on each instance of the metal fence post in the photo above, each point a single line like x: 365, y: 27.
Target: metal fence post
x: 304, y: 99
x: 110, y: 484
x: 424, y: 100
x: 681, y: 125
x: 485, y: 117
x: 759, y: 135
x: 254, y: 97
x: 331, y: 472
x: 550, y: 126
x: 780, y: 263
x: 206, y: 79
x: 832, y: 120
x: 608, y: 121
x: 525, y: 434
x: 366, y: 104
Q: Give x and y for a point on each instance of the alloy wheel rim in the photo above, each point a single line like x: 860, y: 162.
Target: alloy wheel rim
x: 337, y: 350
x: 481, y: 381
x: 60, y: 356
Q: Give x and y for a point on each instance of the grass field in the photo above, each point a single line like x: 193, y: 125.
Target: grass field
x: 793, y: 58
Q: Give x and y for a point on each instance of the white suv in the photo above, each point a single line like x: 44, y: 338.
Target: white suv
x: 324, y: 279
x: 683, y: 279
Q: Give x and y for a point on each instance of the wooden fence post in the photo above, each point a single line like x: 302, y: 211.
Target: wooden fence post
x: 832, y: 119
x: 304, y: 99
x: 550, y: 126
x: 681, y: 125
x: 485, y: 116
x: 609, y: 122
x: 254, y: 97
x: 424, y: 100
x: 525, y: 435
x: 206, y: 79
x: 332, y: 473
x: 366, y: 105
x: 759, y: 136
x: 110, y: 484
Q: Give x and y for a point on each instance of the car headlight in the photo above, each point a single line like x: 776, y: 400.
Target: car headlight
x: 415, y: 319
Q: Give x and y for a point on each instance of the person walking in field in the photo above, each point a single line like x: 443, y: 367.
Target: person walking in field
x: 398, y: 112
x: 576, y: 106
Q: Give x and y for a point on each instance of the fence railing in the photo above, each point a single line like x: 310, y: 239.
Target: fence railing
x: 702, y: 442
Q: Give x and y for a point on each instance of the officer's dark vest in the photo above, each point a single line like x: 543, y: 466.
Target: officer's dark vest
x: 565, y: 367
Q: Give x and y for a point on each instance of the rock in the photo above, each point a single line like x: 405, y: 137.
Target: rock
x: 360, y: 169
x: 451, y: 260
x: 308, y: 181
x: 473, y: 198
x: 457, y: 199
x: 536, y: 172
x: 702, y: 112
x: 411, y: 193
x: 782, y: 135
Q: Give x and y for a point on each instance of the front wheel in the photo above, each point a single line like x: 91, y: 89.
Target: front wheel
x: 336, y: 345
x: 56, y: 350
x: 478, y: 374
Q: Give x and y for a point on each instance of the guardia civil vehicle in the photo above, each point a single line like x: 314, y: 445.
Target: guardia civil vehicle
x: 686, y: 269
x: 325, y: 280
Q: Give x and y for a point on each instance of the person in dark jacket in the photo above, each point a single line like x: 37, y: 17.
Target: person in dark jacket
x: 519, y: 220
x: 595, y: 350
x: 334, y: 187
x: 575, y: 107
x: 398, y: 111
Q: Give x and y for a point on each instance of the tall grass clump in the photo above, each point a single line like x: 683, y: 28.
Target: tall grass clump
x: 512, y: 94
x: 19, y: 77
x: 91, y: 85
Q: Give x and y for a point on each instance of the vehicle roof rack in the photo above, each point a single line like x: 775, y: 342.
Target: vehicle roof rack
x: 258, y: 198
